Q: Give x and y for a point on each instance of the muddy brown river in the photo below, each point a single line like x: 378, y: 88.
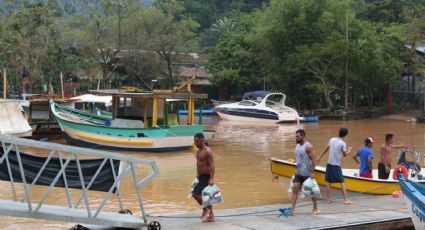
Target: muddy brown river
x: 242, y: 167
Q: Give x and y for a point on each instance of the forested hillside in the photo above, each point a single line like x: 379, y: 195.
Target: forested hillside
x: 318, y: 52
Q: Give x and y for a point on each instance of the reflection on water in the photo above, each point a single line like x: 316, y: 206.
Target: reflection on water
x: 242, y: 167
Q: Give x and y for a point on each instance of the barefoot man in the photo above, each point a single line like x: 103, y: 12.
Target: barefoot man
x: 206, y: 169
x: 306, y: 162
x: 384, y: 165
x: 337, y: 148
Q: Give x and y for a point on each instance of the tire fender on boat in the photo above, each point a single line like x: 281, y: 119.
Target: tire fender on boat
x: 400, y: 169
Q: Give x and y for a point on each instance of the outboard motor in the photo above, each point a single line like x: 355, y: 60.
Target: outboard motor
x: 410, y: 165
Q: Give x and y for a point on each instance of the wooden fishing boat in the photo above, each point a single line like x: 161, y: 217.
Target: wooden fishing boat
x: 414, y: 196
x: 353, y: 183
x: 139, y: 123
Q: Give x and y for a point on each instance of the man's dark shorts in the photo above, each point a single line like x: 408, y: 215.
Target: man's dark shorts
x: 204, y: 180
x: 382, y: 174
x: 333, y: 174
x: 299, y: 179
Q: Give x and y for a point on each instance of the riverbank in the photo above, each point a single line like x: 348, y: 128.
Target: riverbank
x: 362, y: 114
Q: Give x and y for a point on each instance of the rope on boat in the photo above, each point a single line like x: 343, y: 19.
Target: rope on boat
x: 283, y: 211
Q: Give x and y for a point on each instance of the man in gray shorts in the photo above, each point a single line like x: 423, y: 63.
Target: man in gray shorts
x: 306, y: 163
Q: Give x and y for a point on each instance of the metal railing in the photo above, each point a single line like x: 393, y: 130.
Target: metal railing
x: 37, y: 205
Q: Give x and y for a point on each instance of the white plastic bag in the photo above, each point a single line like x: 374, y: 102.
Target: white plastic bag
x: 310, y: 188
x: 291, y: 183
x: 192, y: 187
x: 211, y: 195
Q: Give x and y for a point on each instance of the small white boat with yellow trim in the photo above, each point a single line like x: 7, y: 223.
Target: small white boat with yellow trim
x: 354, y: 183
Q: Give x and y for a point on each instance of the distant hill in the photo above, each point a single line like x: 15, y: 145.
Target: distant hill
x: 69, y: 7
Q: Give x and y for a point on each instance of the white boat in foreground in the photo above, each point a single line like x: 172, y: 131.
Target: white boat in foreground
x: 414, y: 196
x: 258, y: 106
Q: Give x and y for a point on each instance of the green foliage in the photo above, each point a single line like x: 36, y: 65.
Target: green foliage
x: 387, y: 11
x: 298, y: 47
x: 233, y: 64
x: 169, y: 34
x: 29, y: 36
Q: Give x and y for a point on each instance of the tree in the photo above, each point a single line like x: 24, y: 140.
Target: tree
x: 412, y: 34
x: 233, y: 65
x: 223, y: 26
x: 141, y: 64
x: 32, y: 32
x: 169, y: 34
x: 120, y: 9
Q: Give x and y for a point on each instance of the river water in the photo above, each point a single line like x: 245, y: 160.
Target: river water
x: 241, y: 154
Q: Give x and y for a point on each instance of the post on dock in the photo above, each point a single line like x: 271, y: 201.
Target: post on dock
x: 165, y: 116
x: 61, y: 77
x: 115, y: 104
x: 4, y: 83
x: 189, y: 113
x: 200, y: 114
x: 178, y: 113
x: 192, y: 112
x: 145, y: 115
x: 155, y: 112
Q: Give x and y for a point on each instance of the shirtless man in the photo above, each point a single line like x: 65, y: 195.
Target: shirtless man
x: 206, y: 169
x: 384, y: 165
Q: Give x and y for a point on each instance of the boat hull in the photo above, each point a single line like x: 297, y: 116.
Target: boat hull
x: 355, y: 184
x: 414, y: 197
x: 417, y: 215
x: 100, y: 145
x: 242, y: 118
x: 85, y: 133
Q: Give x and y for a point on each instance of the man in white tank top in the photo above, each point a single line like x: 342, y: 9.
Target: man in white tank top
x: 306, y: 163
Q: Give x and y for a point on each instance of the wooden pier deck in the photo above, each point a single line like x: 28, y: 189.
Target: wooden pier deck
x: 366, y: 212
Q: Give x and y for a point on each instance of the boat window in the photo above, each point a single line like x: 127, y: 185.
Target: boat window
x: 247, y: 103
x: 276, y: 101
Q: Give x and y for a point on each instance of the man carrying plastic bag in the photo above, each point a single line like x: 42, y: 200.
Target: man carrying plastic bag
x: 205, y: 168
x: 306, y: 163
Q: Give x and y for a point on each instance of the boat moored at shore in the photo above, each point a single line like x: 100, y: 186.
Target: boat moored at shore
x: 353, y: 182
x: 414, y: 197
x: 139, y: 123
x: 258, y: 106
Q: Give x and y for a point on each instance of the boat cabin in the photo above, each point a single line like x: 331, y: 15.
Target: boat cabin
x: 272, y: 100
x: 148, y: 109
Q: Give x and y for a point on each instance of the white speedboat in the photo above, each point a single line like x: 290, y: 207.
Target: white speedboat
x: 258, y: 106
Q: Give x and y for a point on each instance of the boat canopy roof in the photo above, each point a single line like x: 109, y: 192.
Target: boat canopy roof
x: 155, y: 94
x: 256, y: 94
x: 107, y: 100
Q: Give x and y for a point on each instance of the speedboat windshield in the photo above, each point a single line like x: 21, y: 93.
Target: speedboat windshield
x: 276, y: 101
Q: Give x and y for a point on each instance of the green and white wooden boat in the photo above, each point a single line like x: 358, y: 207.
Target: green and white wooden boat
x: 139, y: 123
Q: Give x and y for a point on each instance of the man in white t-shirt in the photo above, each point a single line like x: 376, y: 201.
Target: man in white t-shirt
x: 337, y: 148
